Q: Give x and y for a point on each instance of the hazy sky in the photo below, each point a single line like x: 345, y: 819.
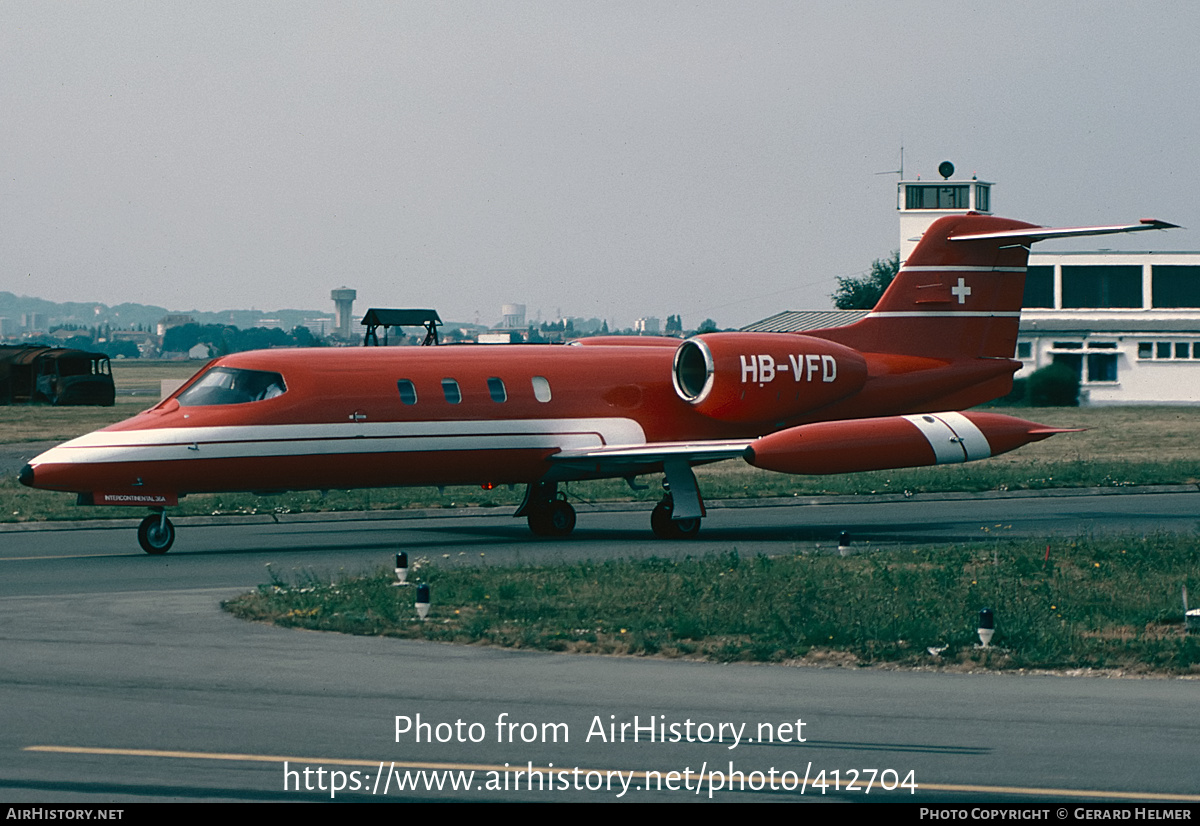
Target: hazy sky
x: 610, y: 159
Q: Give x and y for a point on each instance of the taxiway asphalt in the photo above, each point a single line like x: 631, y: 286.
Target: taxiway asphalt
x: 122, y: 680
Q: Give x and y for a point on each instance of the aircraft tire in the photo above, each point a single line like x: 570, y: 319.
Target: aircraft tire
x: 665, y: 527
x: 561, y: 518
x: 156, y: 535
x: 555, y: 518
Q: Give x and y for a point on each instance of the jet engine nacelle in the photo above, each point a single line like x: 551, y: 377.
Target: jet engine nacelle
x: 891, y: 442
x: 764, y: 377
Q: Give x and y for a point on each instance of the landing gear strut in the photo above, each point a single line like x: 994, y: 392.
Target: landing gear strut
x: 156, y: 533
x: 678, y: 514
x: 548, y: 511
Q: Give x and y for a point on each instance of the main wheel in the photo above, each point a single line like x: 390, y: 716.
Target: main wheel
x: 555, y: 518
x: 156, y: 534
x: 665, y: 527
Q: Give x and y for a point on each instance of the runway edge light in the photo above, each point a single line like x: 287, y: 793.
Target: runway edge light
x: 987, y: 627
x: 423, y: 600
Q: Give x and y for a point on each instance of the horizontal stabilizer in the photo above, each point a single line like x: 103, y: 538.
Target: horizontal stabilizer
x: 1042, y: 233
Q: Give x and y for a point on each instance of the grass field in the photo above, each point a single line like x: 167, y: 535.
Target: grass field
x: 1098, y: 604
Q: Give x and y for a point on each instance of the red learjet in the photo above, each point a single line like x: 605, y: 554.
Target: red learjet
x: 877, y: 394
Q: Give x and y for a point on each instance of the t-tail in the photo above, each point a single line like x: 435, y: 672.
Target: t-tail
x: 959, y: 294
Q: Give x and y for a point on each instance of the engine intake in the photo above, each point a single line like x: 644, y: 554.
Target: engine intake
x: 764, y: 377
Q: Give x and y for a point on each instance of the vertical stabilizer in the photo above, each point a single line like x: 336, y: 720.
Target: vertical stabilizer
x: 959, y: 294
x: 953, y: 299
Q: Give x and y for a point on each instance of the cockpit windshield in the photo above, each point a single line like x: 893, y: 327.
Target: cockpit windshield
x: 230, y: 385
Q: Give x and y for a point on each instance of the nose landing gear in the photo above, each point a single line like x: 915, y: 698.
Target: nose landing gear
x: 548, y: 511
x: 156, y: 534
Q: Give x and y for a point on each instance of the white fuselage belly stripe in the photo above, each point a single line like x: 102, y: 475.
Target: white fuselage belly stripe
x: 176, y: 444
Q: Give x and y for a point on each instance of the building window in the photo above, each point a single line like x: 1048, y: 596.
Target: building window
x: 497, y: 391
x: 408, y: 391
x: 1175, y: 285
x: 1072, y: 360
x: 1102, y: 367
x: 1039, y: 287
x: 937, y: 196
x: 541, y: 389
x: 983, y: 197
x: 1024, y: 350
x: 1101, y: 286
x: 1169, y: 350
x: 451, y: 391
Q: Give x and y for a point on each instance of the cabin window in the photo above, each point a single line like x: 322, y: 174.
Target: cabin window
x: 497, y: 391
x: 230, y: 385
x: 541, y: 389
x: 451, y: 391
x: 408, y: 391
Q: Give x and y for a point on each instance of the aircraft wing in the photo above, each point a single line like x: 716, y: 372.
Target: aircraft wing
x: 1042, y: 233
x: 615, y: 458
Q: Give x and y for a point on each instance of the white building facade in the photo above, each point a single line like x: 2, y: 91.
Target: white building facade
x: 1127, y: 322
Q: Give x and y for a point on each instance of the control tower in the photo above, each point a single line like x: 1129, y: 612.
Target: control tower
x: 922, y: 202
x: 343, y: 301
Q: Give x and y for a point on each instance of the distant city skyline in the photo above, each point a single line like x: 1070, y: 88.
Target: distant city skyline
x: 614, y: 160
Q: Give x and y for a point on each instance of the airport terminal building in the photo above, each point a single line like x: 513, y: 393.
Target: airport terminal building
x: 1127, y: 322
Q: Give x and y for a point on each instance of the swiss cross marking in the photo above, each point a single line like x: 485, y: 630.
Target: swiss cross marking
x: 962, y: 291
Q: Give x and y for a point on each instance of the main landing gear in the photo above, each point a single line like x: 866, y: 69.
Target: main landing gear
x: 676, y: 516
x: 548, y: 511
x: 665, y: 526
x: 156, y: 534
x: 678, y: 513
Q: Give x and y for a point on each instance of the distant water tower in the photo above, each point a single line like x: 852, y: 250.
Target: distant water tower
x: 513, y: 316
x: 343, y: 302
x: 923, y: 202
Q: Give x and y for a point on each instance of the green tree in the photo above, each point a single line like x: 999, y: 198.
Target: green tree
x: 1055, y: 385
x: 863, y: 293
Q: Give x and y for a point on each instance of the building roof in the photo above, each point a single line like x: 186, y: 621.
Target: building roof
x: 1109, y: 326
x: 800, y: 321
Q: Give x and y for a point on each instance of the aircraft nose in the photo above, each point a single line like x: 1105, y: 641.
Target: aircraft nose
x: 25, y: 477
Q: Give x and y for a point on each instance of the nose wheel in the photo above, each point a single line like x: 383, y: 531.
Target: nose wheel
x: 548, y: 511
x: 555, y: 518
x: 156, y: 534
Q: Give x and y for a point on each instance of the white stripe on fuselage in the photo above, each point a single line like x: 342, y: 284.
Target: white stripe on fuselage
x: 181, y: 443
